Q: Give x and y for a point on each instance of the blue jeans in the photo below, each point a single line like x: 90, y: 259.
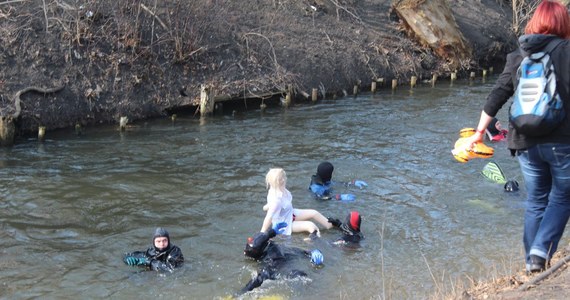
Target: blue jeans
x: 546, y: 171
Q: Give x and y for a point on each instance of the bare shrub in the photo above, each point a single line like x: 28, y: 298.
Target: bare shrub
x: 522, y: 11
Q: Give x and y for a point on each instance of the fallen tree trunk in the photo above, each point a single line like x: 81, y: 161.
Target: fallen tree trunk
x: 433, y: 25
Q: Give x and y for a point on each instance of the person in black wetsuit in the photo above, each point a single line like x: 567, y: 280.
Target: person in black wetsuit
x: 162, y: 256
x: 322, y: 184
x: 351, y: 233
x: 495, y: 131
x: 274, y: 257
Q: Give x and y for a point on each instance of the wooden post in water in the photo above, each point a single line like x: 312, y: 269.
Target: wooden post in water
x: 78, y: 129
x: 472, y: 76
x: 206, y: 101
x: 373, y: 86
x: 394, y: 84
x: 41, y: 133
x: 413, y: 81
x: 287, y: 100
x: 453, y: 76
x: 314, y: 95
x: 433, y: 80
x: 123, y: 123
x: 173, y: 117
x: 355, y: 90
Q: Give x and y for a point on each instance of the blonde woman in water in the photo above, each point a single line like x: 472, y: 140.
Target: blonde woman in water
x: 279, y: 208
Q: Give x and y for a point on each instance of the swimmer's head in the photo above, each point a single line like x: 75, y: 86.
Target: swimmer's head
x: 161, y: 239
x: 256, y: 245
x: 276, y: 178
x: 352, y: 223
x: 324, y: 171
x: 351, y: 228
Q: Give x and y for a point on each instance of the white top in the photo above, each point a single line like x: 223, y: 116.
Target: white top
x: 280, y: 207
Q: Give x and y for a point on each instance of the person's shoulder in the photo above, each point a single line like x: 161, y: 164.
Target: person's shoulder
x: 286, y: 195
x: 176, y: 249
x: 271, y: 194
x: 561, y: 51
x: 516, y: 52
x: 515, y: 57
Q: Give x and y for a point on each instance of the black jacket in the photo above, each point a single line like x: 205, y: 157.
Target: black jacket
x: 164, y: 261
x: 506, y: 84
x: 273, y: 258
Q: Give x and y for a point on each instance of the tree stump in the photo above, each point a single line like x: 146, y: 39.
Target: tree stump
x: 206, y: 101
x: 7, y: 131
x: 434, y: 26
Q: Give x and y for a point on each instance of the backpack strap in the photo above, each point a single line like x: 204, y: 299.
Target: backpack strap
x: 548, y: 50
x: 552, y: 45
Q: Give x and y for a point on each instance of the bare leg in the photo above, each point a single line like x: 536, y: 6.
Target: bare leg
x: 305, y: 226
x: 311, y: 214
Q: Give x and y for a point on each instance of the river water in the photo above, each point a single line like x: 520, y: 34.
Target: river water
x: 71, y: 206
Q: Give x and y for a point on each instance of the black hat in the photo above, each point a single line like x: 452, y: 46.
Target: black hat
x: 324, y: 171
x: 256, y: 245
x: 161, y: 232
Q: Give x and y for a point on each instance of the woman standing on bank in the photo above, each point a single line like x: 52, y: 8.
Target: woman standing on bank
x: 544, y: 159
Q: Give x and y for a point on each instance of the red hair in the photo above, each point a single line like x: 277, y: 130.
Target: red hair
x: 550, y: 17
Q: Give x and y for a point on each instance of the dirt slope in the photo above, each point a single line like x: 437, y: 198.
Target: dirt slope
x: 147, y: 59
x: 556, y: 286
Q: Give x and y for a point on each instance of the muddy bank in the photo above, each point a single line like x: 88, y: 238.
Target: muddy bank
x: 551, y: 284
x: 146, y: 59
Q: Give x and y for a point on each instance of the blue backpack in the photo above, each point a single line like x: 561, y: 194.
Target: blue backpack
x: 537, y: 107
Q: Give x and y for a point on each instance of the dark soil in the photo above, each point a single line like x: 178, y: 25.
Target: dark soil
x: 147, y: 59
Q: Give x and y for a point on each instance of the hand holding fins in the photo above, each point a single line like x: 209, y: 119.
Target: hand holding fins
x: 463, y: 151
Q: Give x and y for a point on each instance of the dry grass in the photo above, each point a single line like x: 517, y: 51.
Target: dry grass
x: 499, y: 278
x: 174, y: 29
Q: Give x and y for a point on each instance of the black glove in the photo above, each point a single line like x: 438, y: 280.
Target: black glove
x: 335, y: 222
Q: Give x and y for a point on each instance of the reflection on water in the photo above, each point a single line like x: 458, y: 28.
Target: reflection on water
x: 73, y: 205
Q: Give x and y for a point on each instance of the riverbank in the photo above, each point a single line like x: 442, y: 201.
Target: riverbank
x: 554, y: 283
x: 150, y: 60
